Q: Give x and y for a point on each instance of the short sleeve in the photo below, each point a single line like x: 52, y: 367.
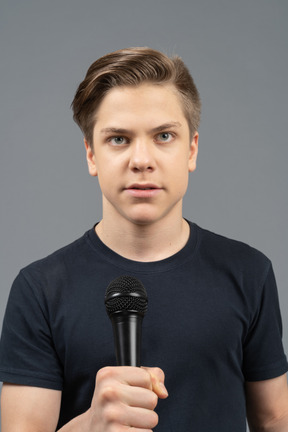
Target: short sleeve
x: 27, y: 353
x: 263, y: 356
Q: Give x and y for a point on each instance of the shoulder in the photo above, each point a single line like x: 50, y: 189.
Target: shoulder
x: 236, y: 255
x: 65, y: 254
x: 56, y: 268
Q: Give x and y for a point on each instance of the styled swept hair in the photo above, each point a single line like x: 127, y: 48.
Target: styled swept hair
x: 132, y: 67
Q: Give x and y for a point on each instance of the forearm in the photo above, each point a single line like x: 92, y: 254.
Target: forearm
x: 267, y: 405
x: 275, y: 425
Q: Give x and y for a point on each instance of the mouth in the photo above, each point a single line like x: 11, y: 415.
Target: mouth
x: 143, y: 187
x: 139, y: 188
x: 143, y: 190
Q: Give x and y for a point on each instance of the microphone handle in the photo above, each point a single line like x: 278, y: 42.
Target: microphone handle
x: 127, y: 329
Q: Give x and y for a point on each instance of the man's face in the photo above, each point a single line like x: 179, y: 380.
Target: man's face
x: 142, y: 154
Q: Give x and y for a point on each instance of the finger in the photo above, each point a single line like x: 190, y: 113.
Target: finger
x: 133, y: 376
x: 133, y: 417
x: 139, y: 397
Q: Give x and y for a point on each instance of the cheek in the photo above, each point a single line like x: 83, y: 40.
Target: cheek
x: 109, y: 180
x: 104, y: 179
x: 180, y: 165
x: 182, y: 174
x: 103, y: 166
x: 179, y: 179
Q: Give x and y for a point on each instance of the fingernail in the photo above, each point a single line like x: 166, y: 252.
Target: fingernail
x: 163, y: 389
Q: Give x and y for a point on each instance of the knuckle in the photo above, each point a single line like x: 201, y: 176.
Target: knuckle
x: 108, y: 394
x: 159, y: 373
x: 104, y: 373
x: 111, y: 414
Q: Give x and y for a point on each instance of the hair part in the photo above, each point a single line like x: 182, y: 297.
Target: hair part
x: 133, y: 67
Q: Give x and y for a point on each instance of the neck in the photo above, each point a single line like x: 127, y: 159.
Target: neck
x: 146, y: 243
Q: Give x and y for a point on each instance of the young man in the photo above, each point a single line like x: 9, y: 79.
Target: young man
x: 213, y: 324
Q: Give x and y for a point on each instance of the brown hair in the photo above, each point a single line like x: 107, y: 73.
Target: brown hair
x: 132, y: 67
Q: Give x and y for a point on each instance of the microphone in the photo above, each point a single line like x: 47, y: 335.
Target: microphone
x: 126, y: 304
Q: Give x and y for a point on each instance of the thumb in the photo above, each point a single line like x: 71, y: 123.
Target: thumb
x: 157, y: 380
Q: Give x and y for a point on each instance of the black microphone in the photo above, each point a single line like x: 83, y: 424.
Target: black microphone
x: 126, y: 304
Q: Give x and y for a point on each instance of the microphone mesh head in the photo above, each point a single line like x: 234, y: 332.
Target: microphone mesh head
x: 126, y: 293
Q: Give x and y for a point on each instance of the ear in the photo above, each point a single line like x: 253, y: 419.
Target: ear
x: 193, y: 153
x: 90, y: 157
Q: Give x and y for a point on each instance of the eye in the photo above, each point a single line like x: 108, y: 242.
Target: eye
x: 118, y: 140
x: 164, y: 137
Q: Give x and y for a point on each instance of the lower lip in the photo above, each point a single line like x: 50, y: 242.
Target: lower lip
x: 143, y: 193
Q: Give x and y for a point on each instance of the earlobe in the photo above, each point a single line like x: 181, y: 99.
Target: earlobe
x: 193, y: 153
x: 90, y: 157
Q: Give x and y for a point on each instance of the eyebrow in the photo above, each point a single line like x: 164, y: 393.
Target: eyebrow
x: 160, y: 128
x: 169, y: 125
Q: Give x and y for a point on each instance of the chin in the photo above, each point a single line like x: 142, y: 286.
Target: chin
x: 144, y: 219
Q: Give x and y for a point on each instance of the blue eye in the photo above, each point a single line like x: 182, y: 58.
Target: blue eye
x: 118, y: 140
x: 164, y: 137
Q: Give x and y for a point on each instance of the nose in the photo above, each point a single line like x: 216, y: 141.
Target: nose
x: 141, y: 156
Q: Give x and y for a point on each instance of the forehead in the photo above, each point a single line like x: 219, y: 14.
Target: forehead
x: 147, y: 101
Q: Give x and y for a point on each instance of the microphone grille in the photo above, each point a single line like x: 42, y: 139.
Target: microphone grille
x: 126, y: 293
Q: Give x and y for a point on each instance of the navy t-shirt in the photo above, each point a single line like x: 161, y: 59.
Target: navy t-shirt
x: 213, y: 322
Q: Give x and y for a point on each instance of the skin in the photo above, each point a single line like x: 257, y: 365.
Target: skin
x: 124, y: 397
x: 267, y: 405
x: 141, y: 138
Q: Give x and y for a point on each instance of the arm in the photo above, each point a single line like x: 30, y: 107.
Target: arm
x: 123, y: 396
x: 29, y: 409
x: 267, y: 405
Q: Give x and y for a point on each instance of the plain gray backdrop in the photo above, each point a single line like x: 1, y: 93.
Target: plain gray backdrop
x: 237, y: 54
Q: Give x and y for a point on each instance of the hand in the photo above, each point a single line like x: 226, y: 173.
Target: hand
x: 126, y: 397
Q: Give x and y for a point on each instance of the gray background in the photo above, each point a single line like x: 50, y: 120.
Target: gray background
x: 237, y: 53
